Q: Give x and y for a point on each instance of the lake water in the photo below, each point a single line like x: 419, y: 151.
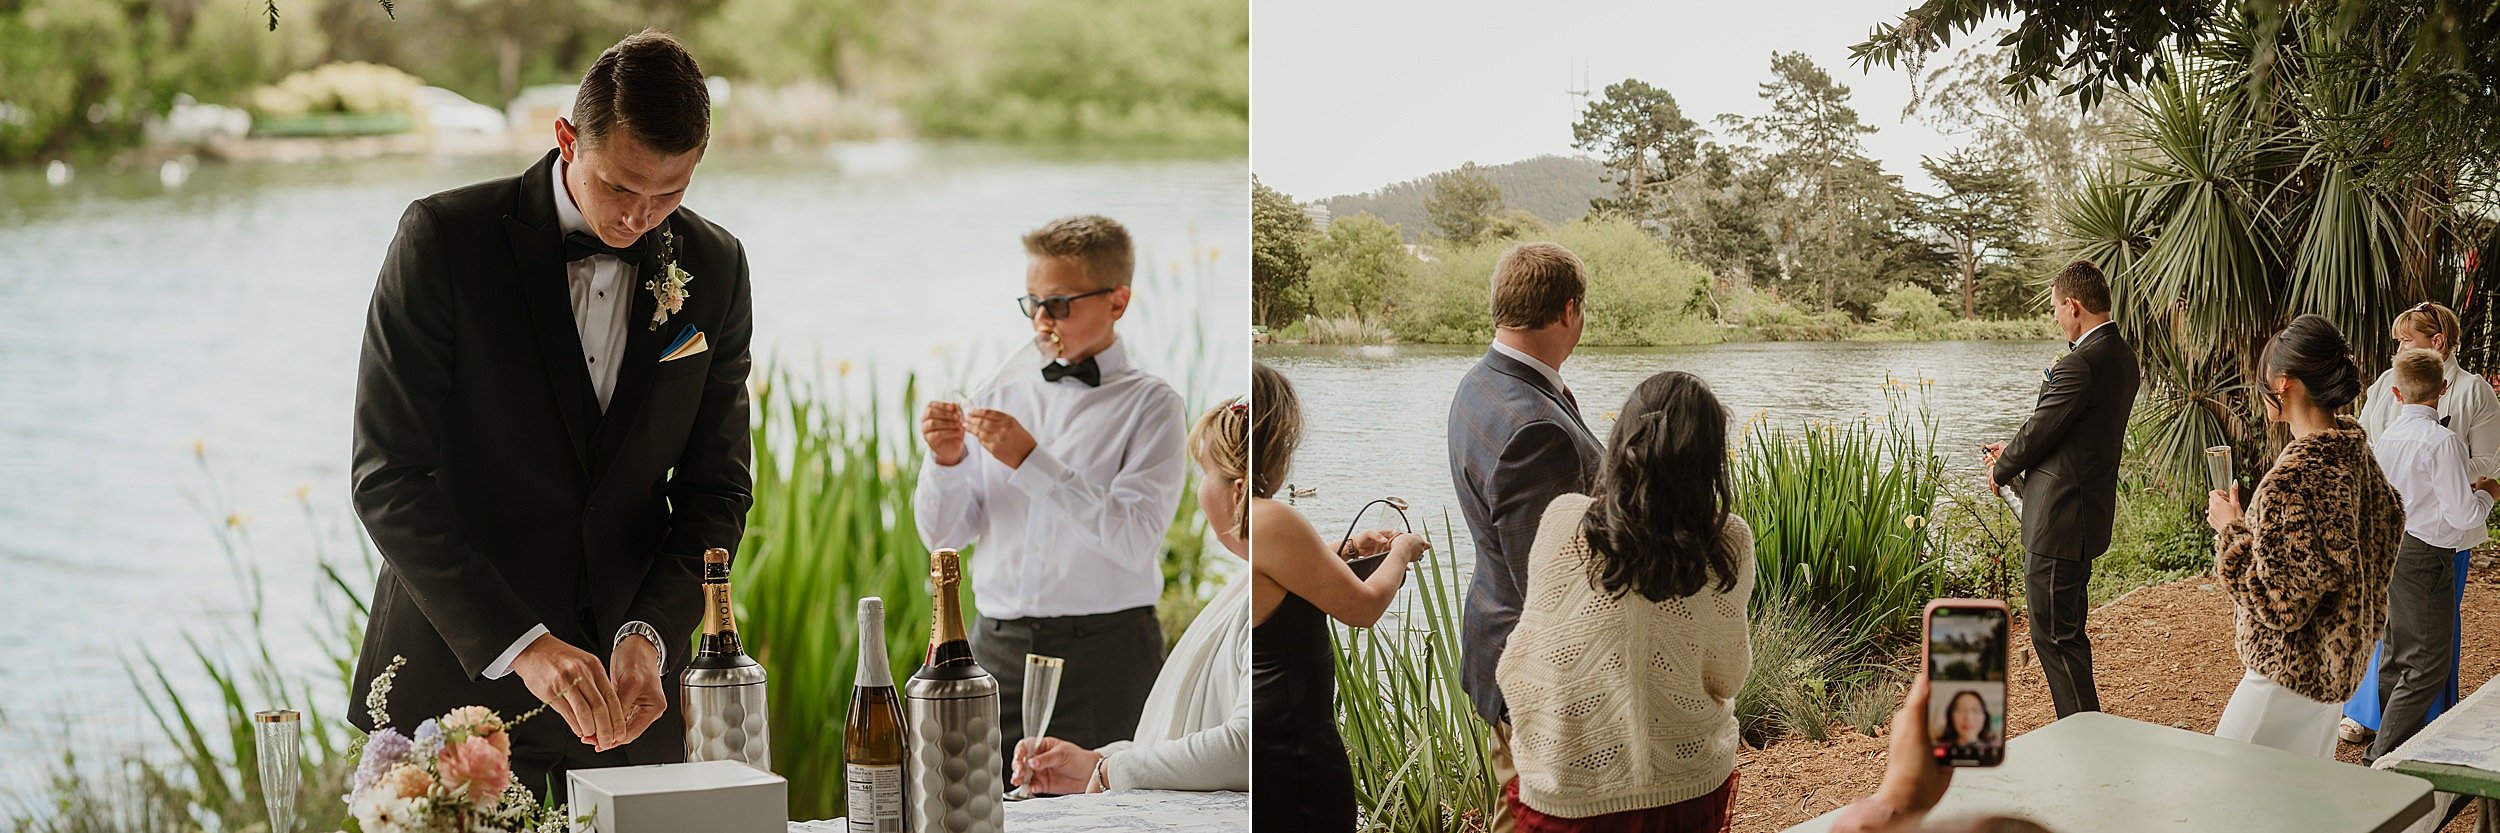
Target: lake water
x: 144, y: 318
x: 1376, y: 417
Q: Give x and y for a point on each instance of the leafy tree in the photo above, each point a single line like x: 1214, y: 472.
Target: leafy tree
x: 1463, y: 204
x: 2433, y: 65
x: 1644, y: 140
x: 1833, y: 198
x: 1354, y: 265
x: 1981, y: 216
x: 2055, y: 142
x: 1280, y: 262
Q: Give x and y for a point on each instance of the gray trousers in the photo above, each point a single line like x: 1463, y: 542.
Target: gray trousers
x: 1112, y: 660
x: 2054, y: 592
x: 2421, y: 624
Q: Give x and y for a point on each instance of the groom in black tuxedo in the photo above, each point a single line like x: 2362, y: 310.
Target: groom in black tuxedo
x: 551, y: 427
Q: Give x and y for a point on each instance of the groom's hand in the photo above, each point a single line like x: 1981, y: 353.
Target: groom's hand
x: 569, y: 680
x: 1001, y: 435
x: 635, y: 668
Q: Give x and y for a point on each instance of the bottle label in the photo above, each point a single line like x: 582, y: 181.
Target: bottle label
x: 876, y: 798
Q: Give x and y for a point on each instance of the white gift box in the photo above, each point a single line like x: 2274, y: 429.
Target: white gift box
x: 712, y: 796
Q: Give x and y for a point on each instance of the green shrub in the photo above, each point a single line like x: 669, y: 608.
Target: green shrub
x: 1839, y: 514
x: 1641, y: 292
x: 1911, y: 307
x: 1421, y: 756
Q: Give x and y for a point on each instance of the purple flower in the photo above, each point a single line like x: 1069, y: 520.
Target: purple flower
x: 429, y: 739
x: 385, y: 749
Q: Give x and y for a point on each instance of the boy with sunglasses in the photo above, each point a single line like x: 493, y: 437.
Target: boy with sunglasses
x: 1071, y: 476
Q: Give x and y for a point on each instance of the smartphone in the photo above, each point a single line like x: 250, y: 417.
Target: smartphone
x: 1965, y: 657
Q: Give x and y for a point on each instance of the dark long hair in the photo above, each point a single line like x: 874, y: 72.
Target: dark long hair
x: 2313, y: 351
x: 1657, y: 515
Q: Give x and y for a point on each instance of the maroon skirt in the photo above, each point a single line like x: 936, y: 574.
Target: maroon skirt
x: 1708, y: 813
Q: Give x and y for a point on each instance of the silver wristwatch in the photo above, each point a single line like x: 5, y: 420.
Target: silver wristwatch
x: 646, y: 631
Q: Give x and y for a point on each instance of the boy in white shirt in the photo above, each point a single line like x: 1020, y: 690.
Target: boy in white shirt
x: 1073, y: 476
x: 2426, y: 463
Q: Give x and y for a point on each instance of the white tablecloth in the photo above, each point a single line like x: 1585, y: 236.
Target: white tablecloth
x: 1122, y: 811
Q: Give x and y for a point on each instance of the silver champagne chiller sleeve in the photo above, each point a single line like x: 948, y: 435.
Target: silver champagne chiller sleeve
x: 725, y: 713
x: 723, y: 688
x: 954, y: 779
x: 952, y: 728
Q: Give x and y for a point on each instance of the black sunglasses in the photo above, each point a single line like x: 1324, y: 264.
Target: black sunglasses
x: 1056, y: 304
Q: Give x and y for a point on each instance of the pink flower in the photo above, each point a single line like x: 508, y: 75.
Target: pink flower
x: 405, y: 781
x: 475, y: 769
x: 468, y: 720
x: 500, y: 738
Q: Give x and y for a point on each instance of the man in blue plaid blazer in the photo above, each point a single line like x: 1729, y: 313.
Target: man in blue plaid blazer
x: 1516, y: 442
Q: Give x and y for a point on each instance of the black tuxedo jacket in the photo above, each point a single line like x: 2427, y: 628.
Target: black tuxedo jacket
x: 498, y: 493
x: 2067, y: 452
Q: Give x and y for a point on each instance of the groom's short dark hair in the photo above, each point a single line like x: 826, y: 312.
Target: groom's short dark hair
x: 2083, y: 281
x: 648, y: 86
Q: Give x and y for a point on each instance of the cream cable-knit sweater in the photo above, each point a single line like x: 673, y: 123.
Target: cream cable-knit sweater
x: 1621, y: 703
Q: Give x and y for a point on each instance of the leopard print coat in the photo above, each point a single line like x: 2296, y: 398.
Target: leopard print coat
x: 2307, y: 567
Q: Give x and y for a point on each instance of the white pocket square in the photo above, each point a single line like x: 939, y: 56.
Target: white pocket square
x: 691, y: 347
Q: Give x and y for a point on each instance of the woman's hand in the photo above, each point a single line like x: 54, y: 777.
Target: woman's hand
x: 1913, y: 781
x: 1055, y: 767
x: 1410, y: 546
x: 1362, y: 544
x: 2222, y: 508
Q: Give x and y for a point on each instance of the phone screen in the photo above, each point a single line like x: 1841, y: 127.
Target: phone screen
x: 1966, y: 684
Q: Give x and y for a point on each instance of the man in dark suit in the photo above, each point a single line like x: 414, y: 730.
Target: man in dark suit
x: 2065, y: 460
x: 551, y: 428
x: 1516, y: 443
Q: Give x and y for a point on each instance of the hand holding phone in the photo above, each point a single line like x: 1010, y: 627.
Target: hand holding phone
x: 1965, y: 661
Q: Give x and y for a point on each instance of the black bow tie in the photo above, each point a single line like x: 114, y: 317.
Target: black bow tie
x: 581, y: 244
x: 1085, y: 371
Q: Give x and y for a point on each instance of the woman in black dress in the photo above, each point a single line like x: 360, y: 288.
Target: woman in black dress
x: 1297, y: 761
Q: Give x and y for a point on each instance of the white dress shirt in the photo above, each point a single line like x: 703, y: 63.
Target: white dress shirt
x: 2426, y: 463
x: 1078, y: 528
x: 600, y: 285
x: 2469, y: 406
x: 1552, y: 376
x: 2088, y: 333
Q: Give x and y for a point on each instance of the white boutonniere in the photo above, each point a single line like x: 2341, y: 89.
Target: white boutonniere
x: 669, y: 289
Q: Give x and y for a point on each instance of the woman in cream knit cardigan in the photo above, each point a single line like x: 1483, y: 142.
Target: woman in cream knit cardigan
x: 1631, y: 644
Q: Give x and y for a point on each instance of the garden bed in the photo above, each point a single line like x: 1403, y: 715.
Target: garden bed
x: 2161, y: 654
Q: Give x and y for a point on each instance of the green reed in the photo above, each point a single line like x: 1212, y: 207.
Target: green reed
x: 1419, y: 753
x: 1840, y: 512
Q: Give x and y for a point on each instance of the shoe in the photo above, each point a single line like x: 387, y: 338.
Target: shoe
x: 2351, y: 732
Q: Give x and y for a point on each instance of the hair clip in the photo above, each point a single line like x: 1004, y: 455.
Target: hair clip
x: 1239, y: 407
x: 2424, y: 306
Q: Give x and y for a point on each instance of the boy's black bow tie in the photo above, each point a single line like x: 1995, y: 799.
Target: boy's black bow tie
x: 1085, y: 371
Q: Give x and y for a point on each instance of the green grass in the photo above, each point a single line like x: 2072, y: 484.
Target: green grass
x: 1839, y: 515
x: 1420, y: 755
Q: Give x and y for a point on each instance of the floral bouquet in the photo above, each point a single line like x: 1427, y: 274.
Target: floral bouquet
x: 454, y: 775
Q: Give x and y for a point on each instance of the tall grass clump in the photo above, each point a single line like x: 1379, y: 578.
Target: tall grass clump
x: 1839, y: 513
x: 1421, y: 757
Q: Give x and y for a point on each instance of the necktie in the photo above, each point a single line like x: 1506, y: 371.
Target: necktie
x: 581, y: 244
x: 1085, y: 371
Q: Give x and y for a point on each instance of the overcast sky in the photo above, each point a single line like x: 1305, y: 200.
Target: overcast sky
x: 1351, y: 95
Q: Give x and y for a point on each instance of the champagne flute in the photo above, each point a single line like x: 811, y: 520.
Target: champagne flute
x: 2218, y: 467
x: 1026, y: 358
x: 1041, y: 697
x: 278, y: 735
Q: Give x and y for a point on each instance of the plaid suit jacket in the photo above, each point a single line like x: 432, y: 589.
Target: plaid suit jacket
x: 1516, y: 443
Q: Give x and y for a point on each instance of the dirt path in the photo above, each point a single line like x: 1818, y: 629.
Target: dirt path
x: 2160, y: 654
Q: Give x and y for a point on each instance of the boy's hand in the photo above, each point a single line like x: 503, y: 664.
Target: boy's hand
x: 942, y: 427
x: 1001, y: 434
